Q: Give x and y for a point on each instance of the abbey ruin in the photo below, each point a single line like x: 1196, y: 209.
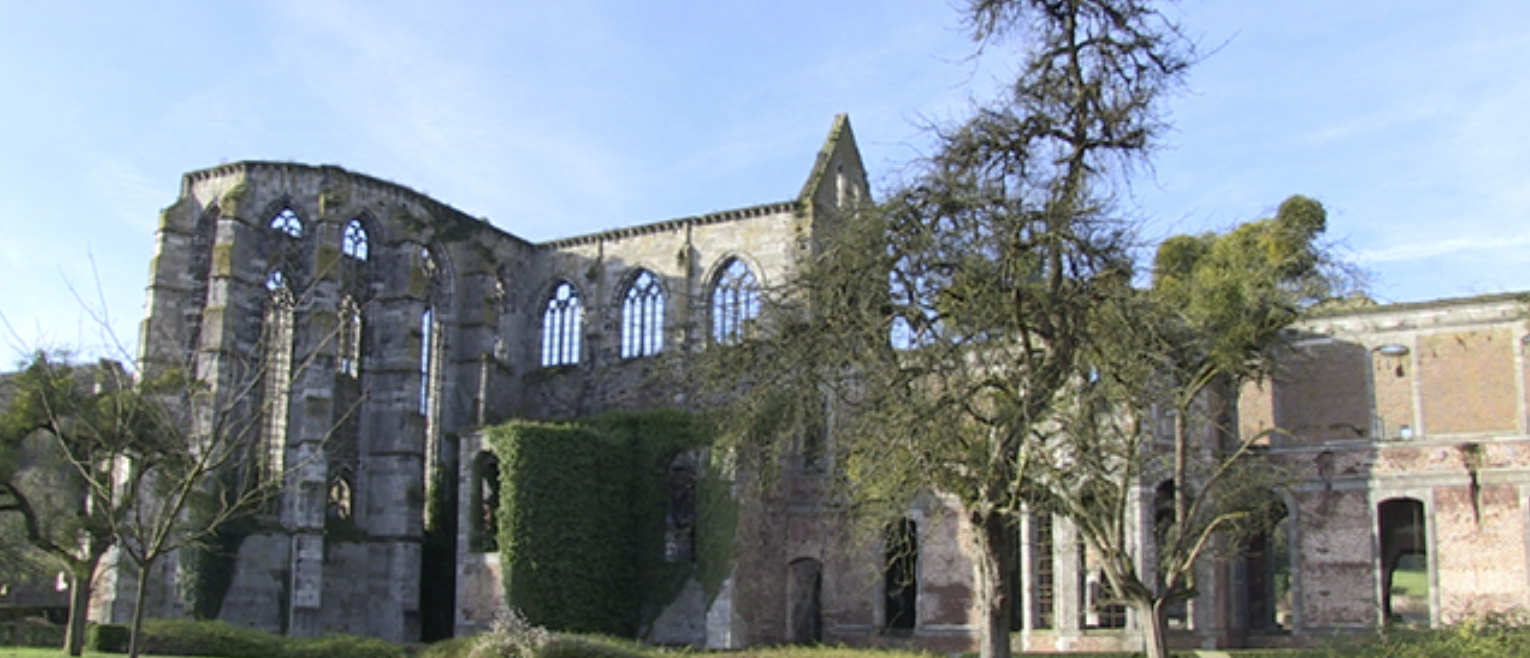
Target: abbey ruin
x: 392, y: 329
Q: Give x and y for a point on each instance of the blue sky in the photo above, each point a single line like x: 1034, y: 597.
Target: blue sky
x: 1404, y: 117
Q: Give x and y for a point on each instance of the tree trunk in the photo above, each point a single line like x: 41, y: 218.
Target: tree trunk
x: 139, y: 595
x: 1155, y: 632
x: 79, y: 608
x: 995, y: 561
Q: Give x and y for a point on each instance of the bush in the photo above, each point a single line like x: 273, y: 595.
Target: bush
x: 587, y: 647
x: 1490, y: 636
x: 185, y: 637
x: 105, y: 638
x: 31, y: 634
x: 511, y: 636
x: 457, y: 647
x: 343, y: 646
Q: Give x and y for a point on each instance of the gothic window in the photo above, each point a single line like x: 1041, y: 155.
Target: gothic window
x: 643, y: 317
x: 562, y: 322
x: 287, y: 222
x: 1044, y: 580
x: 276, y: 372
x: 680, y: 517
x: 485, y: 537
x: 901, y: 584
x: 349, y: 363
x: 427, y: 337
x: 735, y: 302
x: 339, y: 507
x: 354, y: 242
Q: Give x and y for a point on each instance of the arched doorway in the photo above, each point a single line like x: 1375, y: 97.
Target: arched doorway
x: 1404, y: 561
x: 804, y: 595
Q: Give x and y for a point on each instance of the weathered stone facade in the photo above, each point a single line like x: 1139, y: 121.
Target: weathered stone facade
x: 379, y: 329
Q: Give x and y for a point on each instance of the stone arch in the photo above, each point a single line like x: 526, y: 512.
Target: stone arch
x: 485, y: 482
x: 733, y: 298
x: 804, y: 601
x: 642, y: 298
x: 1267, y: 569
x: 682, y: 476
x: 562, y: 325
x: 901, y: 576
x: 1405, y: 567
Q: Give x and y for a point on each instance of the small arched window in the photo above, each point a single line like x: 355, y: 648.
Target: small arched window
x: 276, y: 281
x: 427, y: 363
x: 350, y: 338
x: 643, y: 317
x: 340, y: 504
x: 735, y: 302
x: 287, y: 222
x: 354, y: 242
x: 562, y: 323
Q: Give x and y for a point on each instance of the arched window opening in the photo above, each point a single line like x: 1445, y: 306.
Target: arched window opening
x: 349, y: 338
x: 643, y: 317
x: 1100, y: 606
x: 901, y: 584
x: 680, y: 515
x: 562, y: 326
x: 427, y: 341
x: 1044, y: 570
x: 276, y: 281
x: 287, y: 222
x: 340, y: 502
x: 353, y: 242
x: 1404, y: 561
x: 276, y: 373
x: 485, y: 537
x: 804, y: 595
x: 735, y: 302
x: 1177, y: 615
x: 1267, y: 568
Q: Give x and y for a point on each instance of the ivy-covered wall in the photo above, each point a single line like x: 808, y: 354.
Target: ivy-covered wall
x: 583, y: 513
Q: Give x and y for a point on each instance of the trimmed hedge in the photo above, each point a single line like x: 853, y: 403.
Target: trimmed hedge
x: 24, y: 634
x: 582, y: 518
x: 187, y: 637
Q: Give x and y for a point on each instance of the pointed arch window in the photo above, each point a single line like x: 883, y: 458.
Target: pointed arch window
x: 276, y: 371
x: 562, y: 324
x: 427, y: 339
x: 643, y: 317
x: 354, y: 242
x: 735, y: 302
x: 287, y: 222
x: 349, y: 363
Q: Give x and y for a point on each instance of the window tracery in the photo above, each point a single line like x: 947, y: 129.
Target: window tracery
x: 735, y: 302
x: 355, y: 242
x: 287, y: 222
x: 562, y: 324
x: 643, y: 317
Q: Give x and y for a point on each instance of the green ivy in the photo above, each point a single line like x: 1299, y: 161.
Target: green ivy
x: 582, y: 518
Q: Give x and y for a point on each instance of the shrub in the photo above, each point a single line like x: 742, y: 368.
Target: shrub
x: 457, y: 647
x: 31, y: 634
x: 588, y: 647
x: 185, y: 637
x: 511, y: 636
x: 106, y: 638
x: 343, y: 646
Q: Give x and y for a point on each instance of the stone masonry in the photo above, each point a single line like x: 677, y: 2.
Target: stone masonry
x: 370, y: 331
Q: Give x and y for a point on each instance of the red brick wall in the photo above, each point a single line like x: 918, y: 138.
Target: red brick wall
x: 1392, y: 377
x: 1481, y: 564
x: 1467, y: 382
x: 1324, y: 392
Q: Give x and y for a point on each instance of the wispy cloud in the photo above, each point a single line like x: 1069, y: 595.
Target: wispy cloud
x: 1457, y: 246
